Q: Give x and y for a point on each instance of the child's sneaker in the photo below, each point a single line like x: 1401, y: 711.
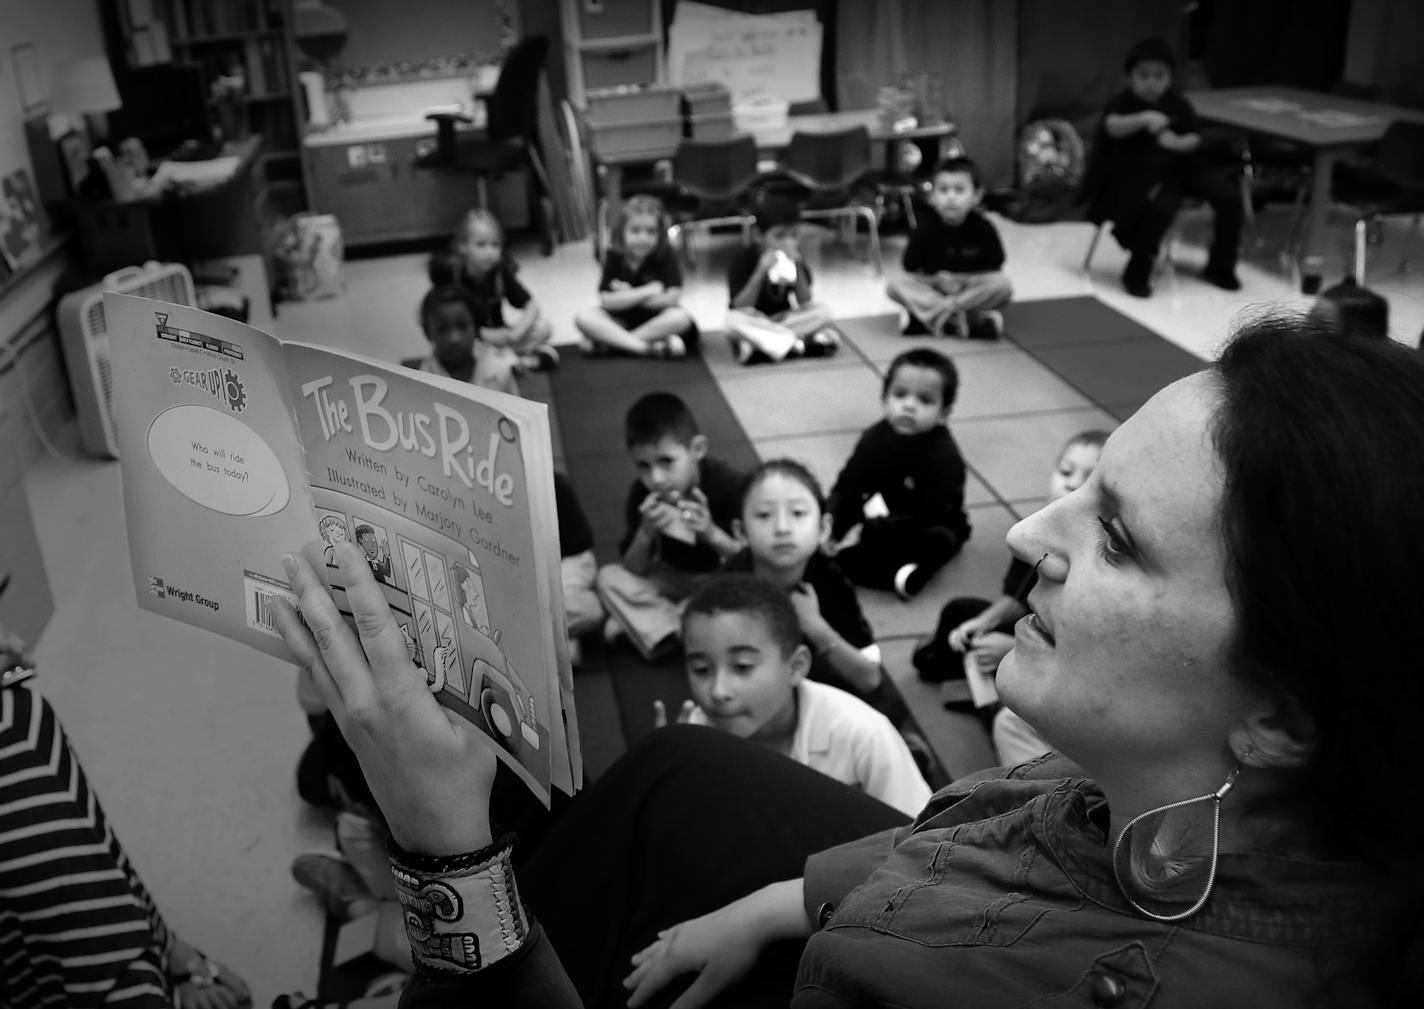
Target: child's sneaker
x: 823, y: 343
x: 909, y: 580
x: 541, y: 358
x: 670, y: 347
x: 985, y: 324
x: 336, y: 884
x: 956, y: 325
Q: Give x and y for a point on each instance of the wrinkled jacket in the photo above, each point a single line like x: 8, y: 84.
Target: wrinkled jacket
x: 1001, y: 894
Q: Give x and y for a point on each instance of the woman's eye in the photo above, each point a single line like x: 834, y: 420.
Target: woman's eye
x: 1114, y: 545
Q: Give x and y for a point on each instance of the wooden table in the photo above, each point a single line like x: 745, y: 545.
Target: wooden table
x: 1330, y: 126
x: 773, y: 139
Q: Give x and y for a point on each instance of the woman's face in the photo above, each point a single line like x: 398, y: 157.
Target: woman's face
x: 1123, y: 661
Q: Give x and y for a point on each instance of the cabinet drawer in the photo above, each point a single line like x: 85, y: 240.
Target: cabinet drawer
x: 608, y: 68
x: 617, y: 17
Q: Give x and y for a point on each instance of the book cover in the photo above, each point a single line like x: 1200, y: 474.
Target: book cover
x: 237, y: 448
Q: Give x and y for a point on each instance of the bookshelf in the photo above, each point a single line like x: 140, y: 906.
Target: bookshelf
x: 248, y: 55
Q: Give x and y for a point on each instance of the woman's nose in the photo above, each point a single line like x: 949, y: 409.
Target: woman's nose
x: 1033, y: 540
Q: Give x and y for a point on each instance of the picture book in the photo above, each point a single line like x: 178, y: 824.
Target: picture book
x: 237, y: 448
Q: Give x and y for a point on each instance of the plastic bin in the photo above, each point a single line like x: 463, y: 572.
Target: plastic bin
x: 650, y: 139
x: 631, y: 104
x: 710, y: 98
x: 763, y: 113
x: 713, y: 126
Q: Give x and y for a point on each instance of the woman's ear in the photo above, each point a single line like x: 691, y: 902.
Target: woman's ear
x: 1280, y: 735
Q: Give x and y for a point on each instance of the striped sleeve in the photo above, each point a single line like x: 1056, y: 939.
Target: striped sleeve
x: 77, y: 926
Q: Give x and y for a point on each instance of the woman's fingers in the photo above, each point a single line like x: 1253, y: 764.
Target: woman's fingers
x: 336, y: 645
x: 304, y: 649
x: 380, y: 637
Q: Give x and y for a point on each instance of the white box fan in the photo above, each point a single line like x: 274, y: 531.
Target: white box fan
x: 84, y: 337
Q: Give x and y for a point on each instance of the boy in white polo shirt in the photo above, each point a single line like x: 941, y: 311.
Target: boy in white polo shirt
x: 747, y: 665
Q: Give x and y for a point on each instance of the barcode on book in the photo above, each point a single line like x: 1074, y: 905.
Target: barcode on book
x: 259, y: 604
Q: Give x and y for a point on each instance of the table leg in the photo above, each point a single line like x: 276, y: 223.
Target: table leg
x: 611, y: 208
x: 1312, y: 264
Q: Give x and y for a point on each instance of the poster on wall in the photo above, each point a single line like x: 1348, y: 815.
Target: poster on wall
x: 757, y: 56
x: 22, y: 220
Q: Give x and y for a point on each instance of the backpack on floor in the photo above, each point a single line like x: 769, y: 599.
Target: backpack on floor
x: 1050, y: 161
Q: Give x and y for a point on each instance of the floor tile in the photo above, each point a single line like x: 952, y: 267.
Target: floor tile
x: 825, y: 454
x: 841, y: 396
x: 1008, y: 381
x: 878, y: 338
x: 977, y: 571
x: 1068, y: 322
x: 1122, y: 373
x: 1015, y: 455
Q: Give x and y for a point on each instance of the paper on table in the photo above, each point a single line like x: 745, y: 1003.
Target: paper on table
x: 194, y: 173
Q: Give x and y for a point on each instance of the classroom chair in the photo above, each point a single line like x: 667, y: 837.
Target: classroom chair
x: 1399, y: 190
x: 826, y: 174
x: 510, y: 139
x: 712, y: 186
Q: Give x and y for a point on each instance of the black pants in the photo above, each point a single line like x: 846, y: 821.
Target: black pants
x: 886, y: 547
x: 1148, y: 223
x: 687, y: 821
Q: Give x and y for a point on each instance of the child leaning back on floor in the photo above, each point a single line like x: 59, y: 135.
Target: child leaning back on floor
x: 638, y: 311
x: 954, y: 280
x: 772, y: 314
x: 746, y: 668
x: 679, y: 510
x: 477, y: 262
x: 897, y: 509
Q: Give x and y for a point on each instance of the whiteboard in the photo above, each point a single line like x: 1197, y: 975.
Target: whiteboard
x: 754, y: 55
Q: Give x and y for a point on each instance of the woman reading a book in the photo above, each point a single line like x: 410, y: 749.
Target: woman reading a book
x: 1222, y: 825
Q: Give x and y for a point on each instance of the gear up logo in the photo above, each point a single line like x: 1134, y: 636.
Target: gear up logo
x: 222, y: 384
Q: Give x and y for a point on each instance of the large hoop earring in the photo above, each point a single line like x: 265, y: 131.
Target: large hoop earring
x: 1153, y: 860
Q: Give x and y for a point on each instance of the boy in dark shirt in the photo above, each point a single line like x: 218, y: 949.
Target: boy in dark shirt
x: 954, y: 280
x: 1147, y: 158
x: 772, y: 316
x: 678, y: 512
x: 898, y: 505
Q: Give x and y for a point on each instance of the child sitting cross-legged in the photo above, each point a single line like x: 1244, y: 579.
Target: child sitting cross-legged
x: 447, y: 317
x: 772, y: 315
x: 954, y: 280
x: 679, y: 510
x: 638, y: 311
x: 897, y: 509
x: 746, y: 667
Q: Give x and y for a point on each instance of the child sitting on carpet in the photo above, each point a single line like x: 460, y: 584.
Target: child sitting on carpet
x: 678, y: 512
x: 783, y: 524
x: 638, y: 311
x: 954, y: 281
x: 898, y: 505
x: 477, y: 262
x: 1352, y: 310
x: 973, y: 629
x: 747, y: 662
x: 447, y: 317
x: 772, y: 316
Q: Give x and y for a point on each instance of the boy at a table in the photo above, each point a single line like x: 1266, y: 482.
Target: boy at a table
x: 1147, y: 157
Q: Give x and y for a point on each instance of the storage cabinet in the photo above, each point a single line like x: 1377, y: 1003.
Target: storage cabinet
x: 377, y: 193
x: 608, y: 43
